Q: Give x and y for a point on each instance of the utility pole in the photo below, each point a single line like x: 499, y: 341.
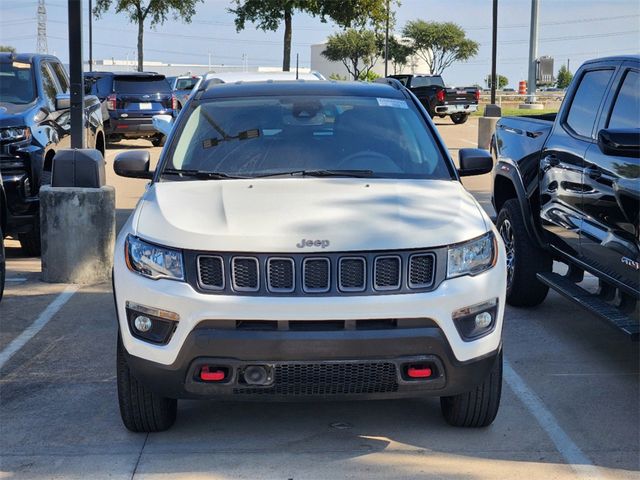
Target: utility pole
x: 386, y: 43
x: 90, y: 36
x: 533, y: 52
x: 75, y: 73
x: 42, y: 28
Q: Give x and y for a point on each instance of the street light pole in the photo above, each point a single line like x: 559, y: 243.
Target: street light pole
x: 386, y: 43
x: 533, y: 51
x: 90, y: 36
x: 75, y: 73
x: 494, y: 49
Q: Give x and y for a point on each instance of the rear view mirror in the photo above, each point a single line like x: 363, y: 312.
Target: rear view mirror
x: 623, y: 142
x: 133, y: 164
x: 63, y: 101
x: 474, y: 161
x: 163, y: 123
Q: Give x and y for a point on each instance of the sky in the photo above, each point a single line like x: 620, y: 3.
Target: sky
x: 569, y: 30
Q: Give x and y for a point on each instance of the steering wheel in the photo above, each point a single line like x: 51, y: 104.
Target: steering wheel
x: 366, y: 159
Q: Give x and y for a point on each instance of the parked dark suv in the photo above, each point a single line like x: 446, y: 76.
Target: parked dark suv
x: 129, y: 102
x: 35, y: 123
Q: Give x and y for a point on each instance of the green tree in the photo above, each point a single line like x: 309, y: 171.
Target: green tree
x: 439, y: 44
x: 7, y: 48
x: 269, y: 14
x: 564, y: 77
x: 156, y: 11
x: 356, y: 49
x: 502, y: 81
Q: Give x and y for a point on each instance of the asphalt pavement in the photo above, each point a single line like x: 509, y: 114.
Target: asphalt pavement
x: 570, y: 405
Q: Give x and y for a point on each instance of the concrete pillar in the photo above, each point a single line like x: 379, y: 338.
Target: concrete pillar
x: 486, y: 129
x: 78, y: 232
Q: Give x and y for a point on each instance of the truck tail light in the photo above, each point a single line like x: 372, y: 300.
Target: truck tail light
x: 440, y: 95
x: 111, y: 102
x: 174, y: 102
x: 477, y: 95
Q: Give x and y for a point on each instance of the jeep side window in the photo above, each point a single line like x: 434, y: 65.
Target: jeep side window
x: 626, y: 110
x: 587, y: 99
x: 60, y: 74
x: 49, y: 89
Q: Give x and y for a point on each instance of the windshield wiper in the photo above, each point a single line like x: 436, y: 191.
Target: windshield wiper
x: 200, y: 174
x: 322, y: 173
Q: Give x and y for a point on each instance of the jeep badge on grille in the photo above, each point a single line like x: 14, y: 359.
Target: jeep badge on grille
x: 313, y: 243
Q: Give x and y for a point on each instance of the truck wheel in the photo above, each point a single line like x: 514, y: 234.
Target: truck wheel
x: 478, y: 407
x: 459, y: 118
x: 158, y: 140
x: 524, y: 259
x: 30, y: 242
x: 141, y: 409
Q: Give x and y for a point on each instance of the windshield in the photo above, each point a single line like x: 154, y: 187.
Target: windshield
x: 417, y: 82
x: 269, y: 135
x: 141, y: 85
x: 186, y: 83
x: 16, y: 83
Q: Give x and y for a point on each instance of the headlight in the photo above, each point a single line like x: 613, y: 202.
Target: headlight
x: 153, y: 261
x: 472, y: 257
x: 15, y: 134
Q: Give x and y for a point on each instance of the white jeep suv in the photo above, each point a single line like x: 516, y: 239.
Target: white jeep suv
x: 307, y: 240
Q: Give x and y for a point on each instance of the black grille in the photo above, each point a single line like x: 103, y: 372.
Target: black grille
x: 421, y: 271
x: 352, y: 274
x: 387, y: 273
x: 211, y: 272
x: 329, y: 379
x: 245, y: 274
x: 316, y: 274
x: 281, y: 275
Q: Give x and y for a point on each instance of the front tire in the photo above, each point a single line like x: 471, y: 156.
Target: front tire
x: 524, y: 259
x: 141, y: 409
x: 459, y: 118
x: 30, y: 242
x: 478, y: 407
x: 158, y: 140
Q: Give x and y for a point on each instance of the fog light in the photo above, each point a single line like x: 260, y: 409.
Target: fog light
x: 142, y: 323
x: 483, y: 320
x: 476, y: 321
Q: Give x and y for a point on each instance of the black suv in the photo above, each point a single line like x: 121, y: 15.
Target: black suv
x: 35, y: 123
x: 129, y: 102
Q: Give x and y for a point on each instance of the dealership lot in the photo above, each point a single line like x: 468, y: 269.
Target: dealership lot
x: 569, y: 409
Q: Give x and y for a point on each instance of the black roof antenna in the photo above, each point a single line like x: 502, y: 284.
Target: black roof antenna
x: 297, y: 58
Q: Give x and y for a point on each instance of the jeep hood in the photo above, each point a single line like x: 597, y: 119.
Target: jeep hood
x: 274, y: 215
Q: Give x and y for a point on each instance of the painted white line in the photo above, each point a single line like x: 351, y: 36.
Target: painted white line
x: 48, y: 313
x: 578, y: 461
x: 475, y: 144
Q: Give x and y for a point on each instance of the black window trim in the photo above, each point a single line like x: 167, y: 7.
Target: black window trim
x: 565, y: 114
x: 626, y: 70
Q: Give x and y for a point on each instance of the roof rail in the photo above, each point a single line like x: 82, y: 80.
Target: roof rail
x: 395, y: 83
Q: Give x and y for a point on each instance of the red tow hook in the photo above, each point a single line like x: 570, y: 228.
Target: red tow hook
x: 419, y: 372
x: 209, y: 375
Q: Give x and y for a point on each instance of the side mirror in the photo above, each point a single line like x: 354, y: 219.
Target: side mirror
x: 623, y: 142
x: 133, y: 164
x: 474, y: 161
x: 63, y: 101
x: 163, y: 123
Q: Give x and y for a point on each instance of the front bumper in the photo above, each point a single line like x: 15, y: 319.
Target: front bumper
x: 449, y: 109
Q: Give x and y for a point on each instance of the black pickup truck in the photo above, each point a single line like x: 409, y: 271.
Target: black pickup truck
x: 439, y: 100
x: 567, y: 188
x: 35, y: 122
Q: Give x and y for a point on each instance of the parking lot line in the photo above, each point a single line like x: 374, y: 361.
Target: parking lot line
x: 48, y: 313
x: 578, y: 461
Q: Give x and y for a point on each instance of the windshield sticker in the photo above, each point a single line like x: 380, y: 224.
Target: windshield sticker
x: 21, y: 65
x: 392, y: 102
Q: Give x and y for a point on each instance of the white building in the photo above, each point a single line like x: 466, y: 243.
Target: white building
x: 326, y: 67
